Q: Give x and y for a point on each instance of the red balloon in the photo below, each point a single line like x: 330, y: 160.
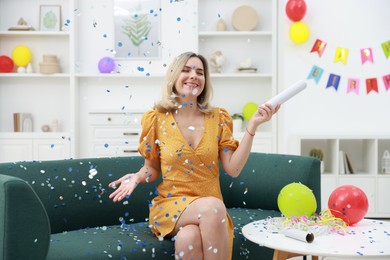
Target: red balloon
x: 296, y: 9
x: 349, y: 203
x: 6, y: 64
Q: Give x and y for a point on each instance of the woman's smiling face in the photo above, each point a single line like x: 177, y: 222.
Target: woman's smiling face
x: 191, y: 80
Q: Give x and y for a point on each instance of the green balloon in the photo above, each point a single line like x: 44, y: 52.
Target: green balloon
x: 249, y: 109
x: 296, y: 199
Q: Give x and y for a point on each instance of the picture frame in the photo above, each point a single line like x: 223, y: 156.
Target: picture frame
x: 50, y: 18
x: 137, y: 26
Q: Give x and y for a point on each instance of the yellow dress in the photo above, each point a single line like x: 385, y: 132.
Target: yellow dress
x: 187, y: 173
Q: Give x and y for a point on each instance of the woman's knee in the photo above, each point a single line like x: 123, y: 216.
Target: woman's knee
x: 188, y: 242
x: 212, y: 208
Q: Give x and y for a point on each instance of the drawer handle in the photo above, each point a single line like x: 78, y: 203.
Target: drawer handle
x: 127, y: 133
x: 109, y: 119
x: 130, y: 151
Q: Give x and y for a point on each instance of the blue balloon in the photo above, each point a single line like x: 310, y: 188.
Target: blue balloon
x: 106, y: 65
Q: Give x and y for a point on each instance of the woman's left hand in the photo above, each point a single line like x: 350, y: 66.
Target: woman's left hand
x: 263, y: 114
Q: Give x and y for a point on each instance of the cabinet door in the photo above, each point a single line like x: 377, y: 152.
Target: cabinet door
x: 51, y: 149
x: 328, y: 184
x: 367, y: 184
x: 13, y: 150
x: 383, y: 195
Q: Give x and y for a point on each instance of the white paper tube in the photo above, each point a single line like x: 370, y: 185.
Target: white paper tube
x: 287, y: 93
x: 299, y: 235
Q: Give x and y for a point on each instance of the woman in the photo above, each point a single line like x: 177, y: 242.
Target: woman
x: 184, y: 138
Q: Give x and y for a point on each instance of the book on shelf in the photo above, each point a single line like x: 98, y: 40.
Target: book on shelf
x: 23, y: 122
x: 345, y: 164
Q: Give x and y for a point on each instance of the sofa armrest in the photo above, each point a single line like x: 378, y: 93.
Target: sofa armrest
x: 24, y: 225
x: 264, y: 175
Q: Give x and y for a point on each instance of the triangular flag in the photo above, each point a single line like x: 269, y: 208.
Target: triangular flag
x: 341, y: 55
x: 333, y: 81
x: 386, y: 80
x: 315, y: 73
x: 319, y: 46
x: 371, y: 85
x: 386, y: 48
x: 353, y: 85
x: 366, y: 55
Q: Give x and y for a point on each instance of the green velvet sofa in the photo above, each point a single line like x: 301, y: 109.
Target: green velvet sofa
x: 61, y: 210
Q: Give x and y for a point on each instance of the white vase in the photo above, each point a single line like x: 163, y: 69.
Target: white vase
x: 221, y: 25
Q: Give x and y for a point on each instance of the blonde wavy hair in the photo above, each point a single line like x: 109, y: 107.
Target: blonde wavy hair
x: 169, y: 101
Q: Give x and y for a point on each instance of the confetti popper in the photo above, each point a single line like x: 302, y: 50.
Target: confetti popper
x: 299, y: 235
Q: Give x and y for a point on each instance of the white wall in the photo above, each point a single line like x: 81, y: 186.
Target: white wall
x: 352, y: 24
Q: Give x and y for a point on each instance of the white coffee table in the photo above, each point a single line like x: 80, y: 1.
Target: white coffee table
x: 368, y: 238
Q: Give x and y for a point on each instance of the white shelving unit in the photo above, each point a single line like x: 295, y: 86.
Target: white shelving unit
x: 73, y: 95
x: 46, y: 97
x: 365, y: 154
x: 233, y: 89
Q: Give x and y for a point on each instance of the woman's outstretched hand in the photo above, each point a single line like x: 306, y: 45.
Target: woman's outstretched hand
x: 124, y: 187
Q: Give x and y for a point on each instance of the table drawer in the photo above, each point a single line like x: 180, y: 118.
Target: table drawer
x: 126, y: 119
x: 120, y: 133
x: 114, y: 149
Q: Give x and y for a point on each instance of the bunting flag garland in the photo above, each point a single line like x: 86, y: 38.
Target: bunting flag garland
x: 353, y: 85
x: 372, y: 85
x: 366, y: 55
x: 315, y: 73
x: 386, y: 48
x: 386, y: 81
x: 333, y: 81
x: 341, y: 55
x: 319, y: 47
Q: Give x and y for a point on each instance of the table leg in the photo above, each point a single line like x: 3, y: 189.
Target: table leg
x: 282, y: 255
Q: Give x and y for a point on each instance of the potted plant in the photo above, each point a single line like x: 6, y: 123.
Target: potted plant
x: 238, y: 119
x: 319, y: 154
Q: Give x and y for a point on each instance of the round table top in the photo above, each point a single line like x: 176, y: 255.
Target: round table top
x: 369, y: 238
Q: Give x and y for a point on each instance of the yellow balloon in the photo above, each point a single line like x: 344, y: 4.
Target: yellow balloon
x: 299, y: 32
x: 21, y: 56
x: 296, y: 199
x: 249, y: 109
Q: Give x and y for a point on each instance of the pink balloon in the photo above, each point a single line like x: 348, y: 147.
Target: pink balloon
x: 296, y: 9
x: 349, y: 203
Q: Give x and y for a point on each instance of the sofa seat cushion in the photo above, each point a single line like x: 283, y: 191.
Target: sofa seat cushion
x: 136, y: 241
x: 129, y: 241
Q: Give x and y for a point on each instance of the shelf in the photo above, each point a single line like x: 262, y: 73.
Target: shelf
x: 234, y: 33
x: 119, y: 75
x: 33, y: 33
x: 240, y: 75
x: 34, y: 75
x: 365, y: 154
x: 24, y: 135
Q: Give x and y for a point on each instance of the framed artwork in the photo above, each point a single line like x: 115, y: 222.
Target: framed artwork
x: 137, y: 29
x: 50, y: 18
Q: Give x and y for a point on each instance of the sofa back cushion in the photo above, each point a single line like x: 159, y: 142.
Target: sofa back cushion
x: 75, y: 198
x: 264, y: 175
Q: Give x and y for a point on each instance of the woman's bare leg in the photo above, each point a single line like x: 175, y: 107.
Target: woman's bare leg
x: 209, y: 214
